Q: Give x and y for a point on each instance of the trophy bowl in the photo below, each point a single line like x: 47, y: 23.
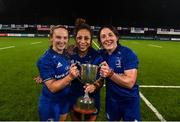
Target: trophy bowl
x: 85, y: 104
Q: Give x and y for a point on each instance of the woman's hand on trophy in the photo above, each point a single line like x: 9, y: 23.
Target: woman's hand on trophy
x: 89, y: 88
x: 38, y: 79
x: 105, y: 70
x: 73, y: 71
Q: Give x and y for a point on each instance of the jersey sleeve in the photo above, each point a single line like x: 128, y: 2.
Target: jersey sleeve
x: 46, y: 70
x: 130, y: 60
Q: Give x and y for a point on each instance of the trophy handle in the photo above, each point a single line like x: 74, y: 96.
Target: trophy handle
x: 98, y: 71
x: 79, y: 68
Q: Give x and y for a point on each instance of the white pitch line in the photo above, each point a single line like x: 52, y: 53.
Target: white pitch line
x: 96, y: 44
x: 153, y: 86
x: 2, y: 48
x: 159, y: 116
x: 152, y: 45
x: 35, y: 42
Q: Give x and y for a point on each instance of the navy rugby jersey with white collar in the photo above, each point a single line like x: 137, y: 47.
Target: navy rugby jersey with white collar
x: 120, y: 60
x: 53, y: 66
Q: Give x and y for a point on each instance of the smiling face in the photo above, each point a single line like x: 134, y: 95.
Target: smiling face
x: 108, y: 40
x: 59, y: 39
x: 83, y: 40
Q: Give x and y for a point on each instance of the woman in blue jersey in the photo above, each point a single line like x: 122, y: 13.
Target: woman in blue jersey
x: 57, y: 74
x: 83, y: 53
x: 120, y: 70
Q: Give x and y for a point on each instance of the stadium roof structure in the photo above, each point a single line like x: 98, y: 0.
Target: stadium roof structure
x: 152, y: 13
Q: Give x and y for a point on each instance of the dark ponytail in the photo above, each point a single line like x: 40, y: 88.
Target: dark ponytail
x: 79, y: 21
x: 80, y: 24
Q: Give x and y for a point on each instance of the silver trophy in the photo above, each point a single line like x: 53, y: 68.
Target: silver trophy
x: 85, y: 104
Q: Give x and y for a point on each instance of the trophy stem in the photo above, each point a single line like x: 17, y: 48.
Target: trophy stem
x: 86, y: 104
x: 86, y: 95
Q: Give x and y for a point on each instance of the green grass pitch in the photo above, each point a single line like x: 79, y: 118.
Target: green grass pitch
x: 159, y: 65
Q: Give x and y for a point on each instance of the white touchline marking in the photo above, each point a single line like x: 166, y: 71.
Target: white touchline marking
x: 159, y: 116
x: 2, y: 48
x: 96, y: 44
x: 154, y: 86
x: 152, y: 45
x: 35, y: 42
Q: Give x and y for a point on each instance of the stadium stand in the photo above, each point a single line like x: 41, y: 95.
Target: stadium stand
x: 26, y: 30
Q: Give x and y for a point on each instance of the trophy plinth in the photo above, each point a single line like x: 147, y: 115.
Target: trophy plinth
x: 85, y: 104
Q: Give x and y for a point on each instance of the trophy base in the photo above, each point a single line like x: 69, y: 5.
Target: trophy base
x: 85, y: 106
x: 83, y: 111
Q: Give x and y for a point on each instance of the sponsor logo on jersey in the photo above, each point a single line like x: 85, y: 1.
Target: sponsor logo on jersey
x: 61, y: 76
x: 59, y: 65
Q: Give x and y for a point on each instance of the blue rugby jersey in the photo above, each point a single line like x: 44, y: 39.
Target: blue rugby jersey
x: 120, y: 60
x: 53, y: 66
x: 77, y: 89
x: 92, y: 57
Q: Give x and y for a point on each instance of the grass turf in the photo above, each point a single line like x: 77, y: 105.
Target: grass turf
x: 159, y: 64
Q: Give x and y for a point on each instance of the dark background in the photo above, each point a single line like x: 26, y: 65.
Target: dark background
x: 138, y: 13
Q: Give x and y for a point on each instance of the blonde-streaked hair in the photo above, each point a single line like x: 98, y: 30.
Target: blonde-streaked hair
x: 54, y: 27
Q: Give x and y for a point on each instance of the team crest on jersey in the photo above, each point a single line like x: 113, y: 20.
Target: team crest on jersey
x: 59, y: 65
x: 118, y: 62
x: 67, y: 68
x: 72, y: 61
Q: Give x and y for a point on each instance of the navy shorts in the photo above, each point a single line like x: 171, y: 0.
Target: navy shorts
x: 128, y: 110
x: 51, y: 110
